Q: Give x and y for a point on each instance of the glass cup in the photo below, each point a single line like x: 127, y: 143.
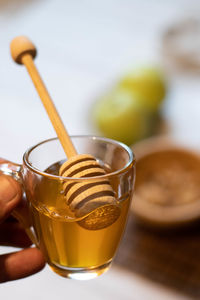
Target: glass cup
x: 70, y: 249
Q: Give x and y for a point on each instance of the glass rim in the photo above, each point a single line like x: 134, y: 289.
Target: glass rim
x: 92, y: 137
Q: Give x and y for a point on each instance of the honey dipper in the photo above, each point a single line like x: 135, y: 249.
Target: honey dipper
x: 96, y: 198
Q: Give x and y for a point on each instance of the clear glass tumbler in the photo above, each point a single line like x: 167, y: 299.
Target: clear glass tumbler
x: 70, y: 249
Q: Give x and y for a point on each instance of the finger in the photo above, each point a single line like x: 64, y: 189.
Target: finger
x: 10, y: 195
x: 20, y: 264
x: 12, y: 234
x: 2, y: 160
x: 22, y: 213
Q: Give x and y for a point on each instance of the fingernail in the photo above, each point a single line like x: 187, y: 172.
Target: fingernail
x: 8, y: 189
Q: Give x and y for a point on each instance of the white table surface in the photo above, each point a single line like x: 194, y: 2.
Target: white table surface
x: 84, y: 45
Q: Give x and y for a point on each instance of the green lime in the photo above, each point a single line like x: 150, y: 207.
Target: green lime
x: 149, y: 83
x: 118, y: 115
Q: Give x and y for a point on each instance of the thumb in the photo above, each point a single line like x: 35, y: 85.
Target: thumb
x: 10, y: 195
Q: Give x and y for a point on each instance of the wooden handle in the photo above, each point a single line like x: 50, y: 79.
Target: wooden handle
x: 23, y: 52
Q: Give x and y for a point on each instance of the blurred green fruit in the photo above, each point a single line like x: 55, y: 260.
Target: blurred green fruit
x: 149, y: 83
x: 118, y: 115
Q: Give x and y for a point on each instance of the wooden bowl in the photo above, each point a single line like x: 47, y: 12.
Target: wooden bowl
x: 167, y: 189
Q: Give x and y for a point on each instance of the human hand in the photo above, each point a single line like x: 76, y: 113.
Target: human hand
x: 25, y: 262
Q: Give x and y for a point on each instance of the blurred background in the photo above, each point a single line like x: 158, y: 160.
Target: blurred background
x: 128, y: 70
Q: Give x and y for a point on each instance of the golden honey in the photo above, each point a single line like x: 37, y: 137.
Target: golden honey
x: 65, y: 243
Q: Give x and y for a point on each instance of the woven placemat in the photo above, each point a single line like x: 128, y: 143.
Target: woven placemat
x: 171, y: 257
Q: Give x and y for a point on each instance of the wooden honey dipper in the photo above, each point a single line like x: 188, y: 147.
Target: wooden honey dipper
x: 95, y: 199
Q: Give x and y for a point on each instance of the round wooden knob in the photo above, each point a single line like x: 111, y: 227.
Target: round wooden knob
x: 21, y: 45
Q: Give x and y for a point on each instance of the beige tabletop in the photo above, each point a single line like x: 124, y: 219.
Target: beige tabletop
x: 84, y: 46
